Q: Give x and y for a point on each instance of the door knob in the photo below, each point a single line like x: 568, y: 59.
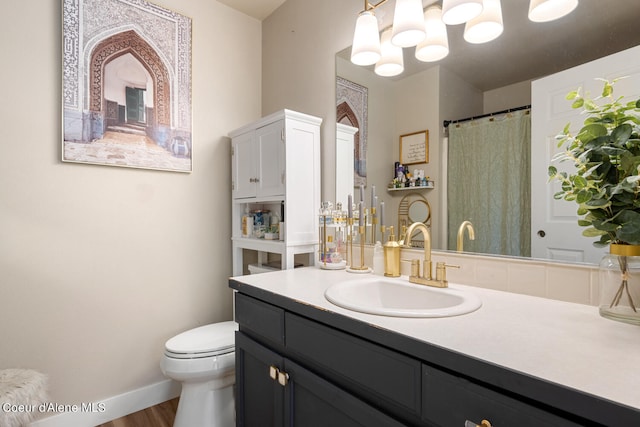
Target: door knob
x: 541, y: 233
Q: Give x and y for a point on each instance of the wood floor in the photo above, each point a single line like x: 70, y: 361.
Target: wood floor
x: 161, y: 415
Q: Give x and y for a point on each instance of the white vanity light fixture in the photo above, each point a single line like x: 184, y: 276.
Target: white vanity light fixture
x: 487, y: 26
x: 549, y: 10
x: 436, y: 45
x: 483, y: 20
x: 408, y: 23
x: 392, y: 62
x: 365, y: 49
x: 456, y: 12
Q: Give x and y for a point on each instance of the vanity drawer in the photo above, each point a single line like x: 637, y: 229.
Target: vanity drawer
x: 260, y: 319
x: 449, y: 400
x: 386, y: 378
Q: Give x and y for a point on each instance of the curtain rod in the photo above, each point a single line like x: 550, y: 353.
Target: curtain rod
x: 446, y: 123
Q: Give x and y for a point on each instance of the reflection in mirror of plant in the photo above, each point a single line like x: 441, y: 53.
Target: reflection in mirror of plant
x: 606, y: 155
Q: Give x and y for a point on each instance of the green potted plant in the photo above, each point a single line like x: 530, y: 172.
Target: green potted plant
x: 605, y: 184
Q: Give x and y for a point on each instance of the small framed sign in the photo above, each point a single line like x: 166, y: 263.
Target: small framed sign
x: 414, y: 148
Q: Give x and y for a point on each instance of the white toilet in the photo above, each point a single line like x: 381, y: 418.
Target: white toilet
x: 203, y: 360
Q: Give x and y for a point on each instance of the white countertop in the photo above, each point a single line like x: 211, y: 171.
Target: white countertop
x: 565, y: 343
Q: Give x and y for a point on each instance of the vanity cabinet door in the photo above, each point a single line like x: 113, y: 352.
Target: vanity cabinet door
x: 274, y: 391
x: 385, y: 378
x: 449, y: 400
x: 259, y: 397
x: 314, y: 402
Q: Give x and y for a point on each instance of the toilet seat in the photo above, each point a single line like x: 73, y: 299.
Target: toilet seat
x: 205, y: 341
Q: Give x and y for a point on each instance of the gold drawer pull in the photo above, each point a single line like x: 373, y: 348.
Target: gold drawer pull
x: 484, y: 423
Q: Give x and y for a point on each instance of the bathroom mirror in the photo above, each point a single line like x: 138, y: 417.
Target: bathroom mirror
x: 524, y: 52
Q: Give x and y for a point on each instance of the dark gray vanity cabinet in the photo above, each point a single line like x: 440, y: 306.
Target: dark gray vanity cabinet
x: 300, y: 366
x: 272, y: 390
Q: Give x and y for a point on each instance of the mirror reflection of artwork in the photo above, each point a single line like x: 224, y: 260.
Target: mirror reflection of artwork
x: 352, y: 111
x: 126, y: 85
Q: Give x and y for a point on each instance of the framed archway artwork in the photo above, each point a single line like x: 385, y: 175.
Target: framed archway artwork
x: 126, y: 85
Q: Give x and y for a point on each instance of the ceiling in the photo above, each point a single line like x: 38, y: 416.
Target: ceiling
x: 528, y: 50
x: 258, y: 9
x: 525, y: 50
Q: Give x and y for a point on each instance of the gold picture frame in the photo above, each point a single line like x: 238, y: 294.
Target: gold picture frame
x: 414, y: 148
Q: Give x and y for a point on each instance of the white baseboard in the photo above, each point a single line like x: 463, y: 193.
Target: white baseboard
x: 112, y: 407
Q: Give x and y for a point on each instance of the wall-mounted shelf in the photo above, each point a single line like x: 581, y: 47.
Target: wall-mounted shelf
x: 421, y: 187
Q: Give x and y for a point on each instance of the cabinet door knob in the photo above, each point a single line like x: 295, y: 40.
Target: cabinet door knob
x: 484, y: 423
x: 273, y: 372
x: 283, y: 379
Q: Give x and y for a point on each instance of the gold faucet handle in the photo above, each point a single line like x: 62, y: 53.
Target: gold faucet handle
x: 415, y: 266
x: 441, y: 271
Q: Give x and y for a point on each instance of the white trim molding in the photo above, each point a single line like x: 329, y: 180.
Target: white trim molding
x: 92, y: 414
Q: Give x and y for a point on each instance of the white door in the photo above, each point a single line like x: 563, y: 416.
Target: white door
x: 243, y: 166
x: 270, y: 140
x: 554, y: 227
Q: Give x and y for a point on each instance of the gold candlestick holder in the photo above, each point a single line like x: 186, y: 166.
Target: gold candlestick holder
x: 374, y: 224
x: 362, y: 268
x: 349, y: 242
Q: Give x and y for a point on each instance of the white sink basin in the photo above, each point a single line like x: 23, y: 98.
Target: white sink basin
x: 399, y: 298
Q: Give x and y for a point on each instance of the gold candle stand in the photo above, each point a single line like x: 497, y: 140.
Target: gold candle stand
x: 374, y: 223
x: 362, y: 268
x: 349, y: 242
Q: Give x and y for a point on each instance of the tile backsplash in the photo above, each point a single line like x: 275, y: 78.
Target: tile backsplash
x: 565, y: 282
x: 576, y: 283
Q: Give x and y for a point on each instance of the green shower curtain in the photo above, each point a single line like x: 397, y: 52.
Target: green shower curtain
x: 489, y: 182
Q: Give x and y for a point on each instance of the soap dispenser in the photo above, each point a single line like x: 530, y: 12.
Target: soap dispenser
x: 378, y: 259
x: 391, y: 256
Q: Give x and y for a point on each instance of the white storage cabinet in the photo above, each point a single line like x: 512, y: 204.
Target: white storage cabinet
x: 276, y: 166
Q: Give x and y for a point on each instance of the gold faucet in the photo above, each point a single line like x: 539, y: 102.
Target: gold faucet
x: 470, y: 231
x: 426, y: 278
x: 426, y: 262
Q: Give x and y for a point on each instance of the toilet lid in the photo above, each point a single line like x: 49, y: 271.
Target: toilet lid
x: 215, y: 338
